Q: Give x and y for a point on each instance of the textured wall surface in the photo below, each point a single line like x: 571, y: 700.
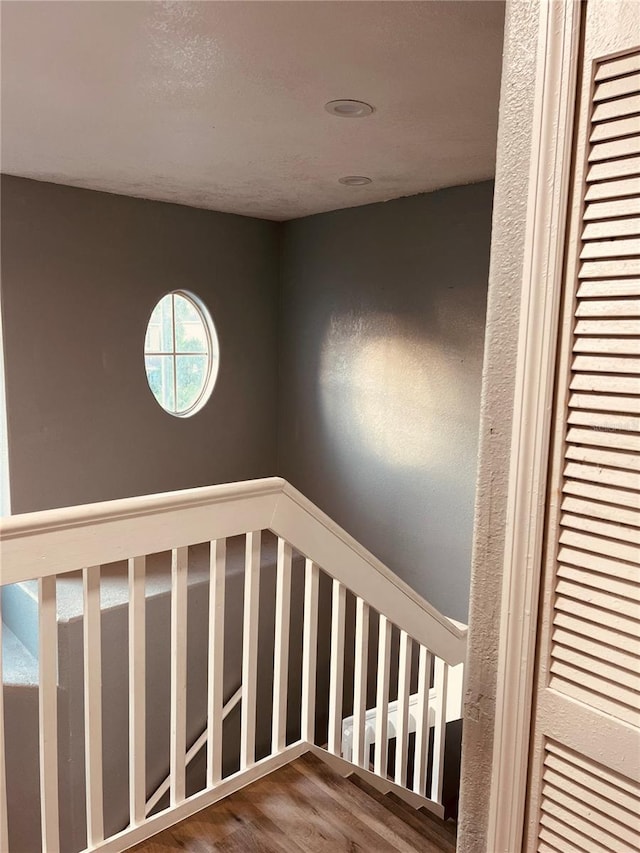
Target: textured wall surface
x: 81, y: 272
x: 509, y: 215
x: 382, y: 324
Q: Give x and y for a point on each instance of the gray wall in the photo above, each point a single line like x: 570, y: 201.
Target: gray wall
x: 81, y: 272
x: 381, y: 331
x: 505, y: 279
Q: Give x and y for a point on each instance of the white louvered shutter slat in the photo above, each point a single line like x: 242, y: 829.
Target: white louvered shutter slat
x: 602, y: 636
x: 618, y: 67
x: 617, y: 87
x: 611, y: 228
x: 615, y: 129
x: 611, y: 209
x: 606, y: 425
x: 606, y: 402
x: 627, y: 146
x: 608, y: 248
x: 602, y: 528
x: 610, y: 307
x: 620, y: 497
x: 610, y: 268
x: 590, y: 510
x: 599, y: 650
x: 569, y: 837
x: 626, y: 187
x: 599, y: 474
x: 608, y: 169
x: 611, y: 287
x: 595, y: 562
x: 612, y: 459
x: 615, y: 329
x: 602, y: 364
x: 626, y: 106
x: 616, y: 586
x: 616, y: 345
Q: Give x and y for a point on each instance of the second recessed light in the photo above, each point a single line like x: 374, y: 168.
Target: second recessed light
x: 347, y: 108
x: 354, y: 180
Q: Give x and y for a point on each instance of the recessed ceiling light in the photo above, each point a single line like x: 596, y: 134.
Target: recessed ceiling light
x: 354, y: 180
x: 349, y: 108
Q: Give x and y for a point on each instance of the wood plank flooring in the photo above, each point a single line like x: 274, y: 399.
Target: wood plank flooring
x: 305, y: 806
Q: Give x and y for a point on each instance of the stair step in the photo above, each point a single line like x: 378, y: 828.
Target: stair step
x: 445, y: 829
x: 430, y: 828
x: 386, y: 825
x: 18, y: 664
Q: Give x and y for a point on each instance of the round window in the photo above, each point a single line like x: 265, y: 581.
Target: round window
x: 181, y: 353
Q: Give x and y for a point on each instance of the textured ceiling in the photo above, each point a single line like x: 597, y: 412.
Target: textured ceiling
x: 221, y: 104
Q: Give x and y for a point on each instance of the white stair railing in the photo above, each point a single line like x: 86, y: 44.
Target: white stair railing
x: 42, y: 546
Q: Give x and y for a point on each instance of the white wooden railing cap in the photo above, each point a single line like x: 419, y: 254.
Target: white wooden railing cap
x: 264, y: 495
x: 457, y: 629
x: 142, y: 505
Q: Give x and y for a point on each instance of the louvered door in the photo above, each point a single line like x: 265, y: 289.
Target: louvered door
x: 584, y: 777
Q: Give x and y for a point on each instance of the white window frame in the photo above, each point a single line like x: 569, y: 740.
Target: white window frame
x: 5, y: 483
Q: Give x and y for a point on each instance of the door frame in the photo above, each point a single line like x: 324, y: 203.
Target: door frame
x: 560, y: 27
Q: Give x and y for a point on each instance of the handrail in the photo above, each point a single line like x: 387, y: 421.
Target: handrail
x: 457, y: 629
x: 49, y: 542
x: 141, y: 505
x: 318, y: 537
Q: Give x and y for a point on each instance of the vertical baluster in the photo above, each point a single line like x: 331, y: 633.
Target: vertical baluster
x: 422, y: 723
x: 381, y: 749
x: 48, y: 713
x: 178, y: 746
x: 402, y: 730
x: 92, y: 657
x: 250, y: 650
x: 360, y: 683
x: 309, y: 651
x: 281, y: 647
x: 137, y: 690
x: 336, y: 676
x: 440, y: 708
x: 217, y: 579
x: 4, y: 825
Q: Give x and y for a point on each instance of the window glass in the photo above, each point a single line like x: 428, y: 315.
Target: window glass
x: 181, y: 353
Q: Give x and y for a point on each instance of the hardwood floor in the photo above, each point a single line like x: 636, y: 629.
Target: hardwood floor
x: 305, y: 806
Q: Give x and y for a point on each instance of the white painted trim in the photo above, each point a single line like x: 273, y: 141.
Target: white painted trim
x: 556, y: 75
x: 4, y: 816
x: 45, y: 543
x: 92, y: 661
x: 137, y: 653
x: 50, y: 520
x: 5, y: 482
